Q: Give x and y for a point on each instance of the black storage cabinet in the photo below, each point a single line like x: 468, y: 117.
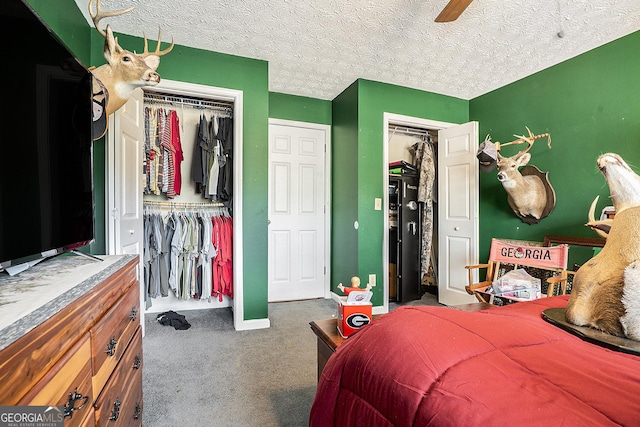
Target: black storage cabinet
x: 404, y: 238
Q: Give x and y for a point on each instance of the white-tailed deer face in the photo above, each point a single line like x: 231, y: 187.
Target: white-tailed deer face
x: 129, y: 68
x: 624, y: 183
x: 125, y: 70
x: 508, y: 166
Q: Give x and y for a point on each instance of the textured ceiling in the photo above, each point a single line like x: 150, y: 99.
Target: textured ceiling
x: 317, y: 48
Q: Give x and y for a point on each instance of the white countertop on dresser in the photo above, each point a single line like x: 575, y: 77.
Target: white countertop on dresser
x: 34, y: 295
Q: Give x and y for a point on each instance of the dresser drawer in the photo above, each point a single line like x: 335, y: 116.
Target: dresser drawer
x: 24, y: 363
x: 111, y: 335
x: 67, y: 384
x: 120, y: 403
x: 131, y: 413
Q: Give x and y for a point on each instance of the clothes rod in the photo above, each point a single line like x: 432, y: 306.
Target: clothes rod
x: 409, y: 131
x: 184, y: 100
x: 183, y: 204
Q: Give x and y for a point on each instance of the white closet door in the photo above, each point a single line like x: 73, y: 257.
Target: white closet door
x: 296, y: 213
x: 457, y: 210
x: 125, y: 151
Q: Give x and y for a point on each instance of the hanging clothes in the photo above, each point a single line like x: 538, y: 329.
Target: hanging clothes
x: 189, y: 254
x: 163, y: 152
x: 223, y: 261
x: 152, y: 256
x: 167, y: 174
x: 202, y: 138
x: 225, y: 180
x: 178, y: 155
x: 212, y: 164
x: 425, y: 163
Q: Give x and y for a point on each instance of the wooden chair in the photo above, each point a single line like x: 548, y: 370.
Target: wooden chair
x: 549, y: 264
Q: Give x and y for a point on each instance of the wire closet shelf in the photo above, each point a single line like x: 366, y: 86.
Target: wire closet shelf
x: 182, y: 100
x: 148, y: 204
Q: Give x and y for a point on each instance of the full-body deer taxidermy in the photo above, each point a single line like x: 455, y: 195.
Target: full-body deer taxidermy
x: 124, y: 71
x: 528, y: 192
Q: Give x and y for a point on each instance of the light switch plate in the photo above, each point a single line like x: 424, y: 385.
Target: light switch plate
x: 378, y: 204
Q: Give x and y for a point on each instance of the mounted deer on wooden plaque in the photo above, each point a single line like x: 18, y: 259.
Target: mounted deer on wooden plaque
x: 530, y: 194
x: 125, y: 70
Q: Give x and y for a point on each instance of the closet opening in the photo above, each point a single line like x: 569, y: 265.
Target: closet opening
x: 412, y: 220
x: 454, y: 204
x: 188, y: 202
x: 203, y: 119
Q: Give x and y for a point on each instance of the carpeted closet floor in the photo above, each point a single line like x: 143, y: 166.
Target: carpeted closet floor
x: 211, y: 375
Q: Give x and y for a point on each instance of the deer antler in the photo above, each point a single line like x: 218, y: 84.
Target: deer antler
x: 99, y: 15
x: 157, y: 52
x: 528, y: 139
x: 601, y: 227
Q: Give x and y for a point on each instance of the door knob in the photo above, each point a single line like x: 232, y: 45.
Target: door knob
x: 456, y: 228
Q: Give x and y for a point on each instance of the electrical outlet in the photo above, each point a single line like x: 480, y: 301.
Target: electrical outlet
x: 378, y: 204
x: 372, y: 279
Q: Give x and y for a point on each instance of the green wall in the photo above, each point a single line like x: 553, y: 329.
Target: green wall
x: 590, y: 105
x: 71, y: 26
x: 357, y: 176
x: 344, y: 191
x: 299, y: 108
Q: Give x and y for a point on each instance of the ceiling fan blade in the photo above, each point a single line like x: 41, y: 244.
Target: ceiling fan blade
x: 452, y: 10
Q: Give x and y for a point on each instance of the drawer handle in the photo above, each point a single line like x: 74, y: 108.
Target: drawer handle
x: 137, y: 362
x: 134, y: 313
x: 71, y: 404
x: 116, y: 410
x: 137, y: 412
x: 111, y: 347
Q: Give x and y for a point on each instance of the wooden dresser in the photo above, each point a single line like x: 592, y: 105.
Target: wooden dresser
x: 82, y: 348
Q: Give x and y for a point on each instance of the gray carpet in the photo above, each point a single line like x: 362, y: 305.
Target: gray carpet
x: 211, y: 375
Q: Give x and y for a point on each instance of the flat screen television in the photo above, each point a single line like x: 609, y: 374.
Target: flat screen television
x: 46, y: 158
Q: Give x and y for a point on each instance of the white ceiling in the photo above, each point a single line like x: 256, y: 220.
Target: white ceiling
x: 317, y: 48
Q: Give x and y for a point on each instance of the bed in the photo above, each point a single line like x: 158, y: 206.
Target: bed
x: 421, y: 366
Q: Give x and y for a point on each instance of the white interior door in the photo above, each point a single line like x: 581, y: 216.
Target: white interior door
x: 297, y: 211
x: 125, y: 151
x: 457, y: 210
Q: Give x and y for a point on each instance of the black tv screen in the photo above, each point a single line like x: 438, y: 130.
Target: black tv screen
x: 46, y: 179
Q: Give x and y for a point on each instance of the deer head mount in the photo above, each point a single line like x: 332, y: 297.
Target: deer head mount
x: 624, y: 186
x: 529, y: 192
x: 125, y: 70
x: 605, y: 292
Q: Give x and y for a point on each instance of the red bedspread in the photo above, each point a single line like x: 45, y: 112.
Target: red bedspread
x: 504, y: 366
